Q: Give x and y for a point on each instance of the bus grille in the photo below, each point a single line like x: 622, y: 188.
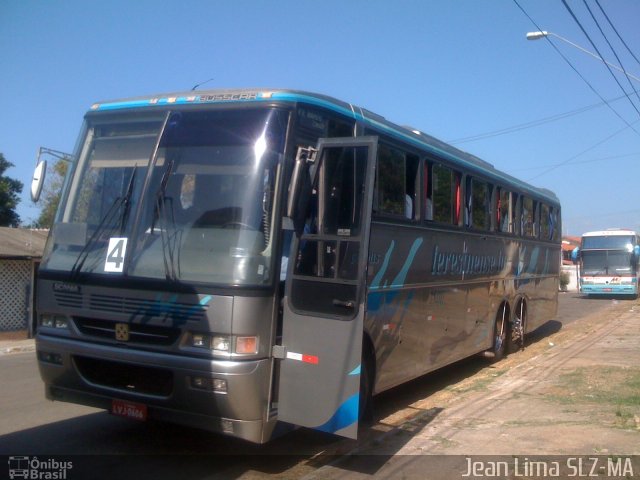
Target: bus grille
x: 69, y: 299
x: 125, y: 376
x: 147, y: 308
x: 134, y: 307
x: 139, y: 334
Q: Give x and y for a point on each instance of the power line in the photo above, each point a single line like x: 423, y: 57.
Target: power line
x: 593, y: 160
x: 629, y: 125
x: 566, y: 5
x: 616, y: 31
x: 597, y: 144
x: 613, y: 50
x: 531, y: 124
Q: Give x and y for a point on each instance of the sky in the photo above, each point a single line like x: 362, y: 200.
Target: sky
x: 461, y: 70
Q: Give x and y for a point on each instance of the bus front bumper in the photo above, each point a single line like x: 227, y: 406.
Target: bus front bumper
x: 177, y: 389
x: 600, y: 289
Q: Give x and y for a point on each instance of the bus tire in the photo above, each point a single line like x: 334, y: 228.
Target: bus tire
x: 365, y: 405
x: 518, y: 325
x: 500, y: 334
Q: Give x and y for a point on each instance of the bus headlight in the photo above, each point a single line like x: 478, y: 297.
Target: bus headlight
x: 220, y: 343
x: 46, y: 321
x: 225, y: 343
x: 199, y: 340
x: 54, y: 321
x: 61, y: 322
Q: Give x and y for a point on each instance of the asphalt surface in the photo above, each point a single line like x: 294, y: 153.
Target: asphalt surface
x: 424, y: 418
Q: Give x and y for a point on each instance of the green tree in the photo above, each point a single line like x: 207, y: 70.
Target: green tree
x: 51, y: 193
x: 10, y: 190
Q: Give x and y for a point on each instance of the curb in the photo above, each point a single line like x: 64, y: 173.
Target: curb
x: 17, y: 347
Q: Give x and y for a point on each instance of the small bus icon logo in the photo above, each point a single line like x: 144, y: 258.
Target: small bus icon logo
x: 18, y: 467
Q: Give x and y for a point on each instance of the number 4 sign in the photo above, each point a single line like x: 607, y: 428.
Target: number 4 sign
x: 115, y: 255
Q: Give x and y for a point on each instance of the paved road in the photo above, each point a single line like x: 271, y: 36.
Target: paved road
x: 30, y: 425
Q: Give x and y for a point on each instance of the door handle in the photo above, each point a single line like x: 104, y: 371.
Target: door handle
x: 343, y: 303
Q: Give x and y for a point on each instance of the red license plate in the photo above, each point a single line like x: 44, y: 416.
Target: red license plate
x: 607, y: 289
x: 136, y: 411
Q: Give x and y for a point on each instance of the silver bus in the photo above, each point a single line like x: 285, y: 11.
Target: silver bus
x: 239, y: 260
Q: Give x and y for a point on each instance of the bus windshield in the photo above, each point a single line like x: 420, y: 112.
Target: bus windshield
x: 603, y: 262
x: 188, y: 197
x: 622, y: 242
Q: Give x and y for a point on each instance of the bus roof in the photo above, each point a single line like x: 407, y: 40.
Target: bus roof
x: 610, y: 233
x: 407, y: 134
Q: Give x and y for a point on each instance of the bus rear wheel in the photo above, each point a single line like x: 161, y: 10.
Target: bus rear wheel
x: 500, y: 334
x: 516, y: 336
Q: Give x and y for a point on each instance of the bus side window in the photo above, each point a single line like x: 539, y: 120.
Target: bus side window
x: 396, y: 183
x: 476, y: 203
x: 390, y: 196
x: 446, y: 194
x: 428, y: 192
x: 515, y: 213
x: 503, y: 211
x: 555, y: 224
x: 545, y: 223
x: 411, y: 185
x: 526, y: 217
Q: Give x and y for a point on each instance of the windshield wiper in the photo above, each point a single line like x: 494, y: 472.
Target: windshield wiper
x: 107, y: 220
x: 169, y: 241
x: 126, y: 201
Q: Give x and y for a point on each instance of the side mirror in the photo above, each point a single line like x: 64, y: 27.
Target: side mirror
x: 575, y: 255
x: 301, y: 187
x: 636, y: 251
x: 38, y: 180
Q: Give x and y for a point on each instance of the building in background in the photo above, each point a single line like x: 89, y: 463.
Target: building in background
x: 20, y: 253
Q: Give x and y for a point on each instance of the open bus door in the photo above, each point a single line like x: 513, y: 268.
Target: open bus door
x: 324, y: 298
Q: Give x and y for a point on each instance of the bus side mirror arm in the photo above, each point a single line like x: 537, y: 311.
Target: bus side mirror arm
x: 300, y: 187
x: 575, y: 255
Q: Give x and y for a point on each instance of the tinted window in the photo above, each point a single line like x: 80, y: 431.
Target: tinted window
x: 396, y: 182
x: 446, y: 189
x: 391, y: 182
x: 527, y: 216
x: 503, y: 211
x: 545, y: 223
x: 477, y: 201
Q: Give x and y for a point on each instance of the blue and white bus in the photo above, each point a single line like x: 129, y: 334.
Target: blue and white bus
x: 609, y: 261
x: 235, y: 260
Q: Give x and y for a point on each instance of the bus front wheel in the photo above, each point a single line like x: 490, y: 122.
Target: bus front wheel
x: 365, y: 405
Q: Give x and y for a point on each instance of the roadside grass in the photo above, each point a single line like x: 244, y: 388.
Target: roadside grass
x: 615, y: 389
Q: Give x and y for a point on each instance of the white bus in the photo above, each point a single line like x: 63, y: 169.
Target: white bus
x: 609, y: 262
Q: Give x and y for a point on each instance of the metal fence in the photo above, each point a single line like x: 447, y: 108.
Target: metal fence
x: 15, y: 287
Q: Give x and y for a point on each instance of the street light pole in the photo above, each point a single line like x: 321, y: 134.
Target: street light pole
x: 542, y: 34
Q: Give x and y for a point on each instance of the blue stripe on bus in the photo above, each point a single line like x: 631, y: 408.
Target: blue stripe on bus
x: 320, y: 102
x: 402, y: 275
x: 347, y: 414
